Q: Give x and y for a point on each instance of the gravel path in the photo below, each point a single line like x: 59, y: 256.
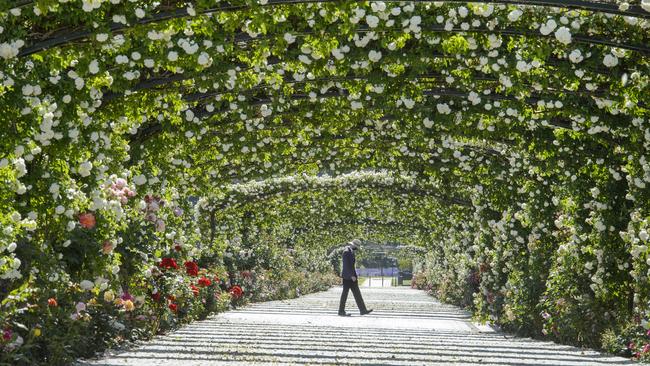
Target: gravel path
x: 408, y: 327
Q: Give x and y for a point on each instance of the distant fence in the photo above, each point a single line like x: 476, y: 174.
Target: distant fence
x: 376, y: 272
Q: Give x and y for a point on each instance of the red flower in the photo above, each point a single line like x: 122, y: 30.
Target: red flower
x: 178, y: 248
x: 192, y: 268
x: 87, y: 220
x: 168, y: 263
x: 173, y: 307
x: 7, y: 334
x: 52, y: 302
x: 195, y: 290
x: 204, y: 282
x: 156, y: 296
x: 236, y: 292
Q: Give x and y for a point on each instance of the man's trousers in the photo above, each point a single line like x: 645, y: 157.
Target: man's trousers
x: 354, y: 286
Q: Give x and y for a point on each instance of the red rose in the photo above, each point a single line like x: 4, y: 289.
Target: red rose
x: 87, y: 220
x: 156, y: 296
x: 173, y: 307
x: 204, y: 282
x: 7, y: 334
x: 236, y: 292
x: 168, y: 263
x: 192, y: 268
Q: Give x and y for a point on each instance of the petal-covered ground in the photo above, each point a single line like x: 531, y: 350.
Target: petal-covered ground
x: 407, y: 327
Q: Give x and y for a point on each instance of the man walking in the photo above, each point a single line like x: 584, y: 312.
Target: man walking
x: 350, y: 280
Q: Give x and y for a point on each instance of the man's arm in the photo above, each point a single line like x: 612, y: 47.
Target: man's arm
x: 348, y: 266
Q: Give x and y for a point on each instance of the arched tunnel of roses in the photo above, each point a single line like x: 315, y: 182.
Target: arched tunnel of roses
x: 154, y: 154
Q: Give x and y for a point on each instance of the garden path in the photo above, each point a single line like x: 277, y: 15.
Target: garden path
x: 408, y: 327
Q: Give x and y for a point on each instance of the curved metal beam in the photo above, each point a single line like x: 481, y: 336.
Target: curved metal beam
x: 594, y: 6
x: 406, y: 190
x: 180, y: 13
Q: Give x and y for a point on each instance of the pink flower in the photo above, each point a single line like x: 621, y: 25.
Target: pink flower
x: 120, y: 183
x: 160, y: 225
x: 7, y: 334
x: 646, y: 348
x: 80, y: 306
x: 107, y: 247
x: 87, y: 220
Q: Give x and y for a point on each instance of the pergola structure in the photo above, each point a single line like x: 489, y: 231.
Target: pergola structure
x: 507, y: 138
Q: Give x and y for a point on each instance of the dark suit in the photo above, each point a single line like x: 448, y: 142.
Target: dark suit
x: 348, y: 284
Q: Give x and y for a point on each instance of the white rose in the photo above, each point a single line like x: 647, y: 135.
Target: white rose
x: 549, y: 27
x: 563, y: 34
x: 610, y: 60
x: 84, y: 168
x: 54, y: 189
x: 443, y: 108
x: 86, y: 285
x: 93, y: 67
x: 140, y: 179
x: 576, y: 56
x: 514, y: 15
x: 374, y: 56
x: 21, y: 168
x: 204, y: 59
x: 289, y: 38
x: 372, y: 21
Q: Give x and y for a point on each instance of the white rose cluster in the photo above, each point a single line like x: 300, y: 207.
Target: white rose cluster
x: 443, y: 108
x: 90, y: 5
x: 10, y: 50
x: 610, y: 60
x: 563, y: 35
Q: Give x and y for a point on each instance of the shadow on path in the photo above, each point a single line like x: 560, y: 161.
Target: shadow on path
x: 407, y: 328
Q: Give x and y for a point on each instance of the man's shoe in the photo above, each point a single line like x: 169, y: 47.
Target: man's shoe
x: 367, y: 312
x: 345, y: 314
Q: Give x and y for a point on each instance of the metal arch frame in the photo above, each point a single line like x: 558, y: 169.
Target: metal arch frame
x: 365, y: 222
x: 156, y: 128
x: 431, y: 75
x: 266, y: 195
x: 594, y: 6
x: 180, y: 13
x: 155, y: 81
x: 343, y: 93
x: 295, y: 161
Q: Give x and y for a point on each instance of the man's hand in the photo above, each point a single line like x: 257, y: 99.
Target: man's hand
x: 354, y: 279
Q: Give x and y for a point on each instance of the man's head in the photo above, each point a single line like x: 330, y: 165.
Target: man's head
x: 354, y: 244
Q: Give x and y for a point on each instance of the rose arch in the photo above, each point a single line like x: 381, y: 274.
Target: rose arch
x: 162, y: 160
